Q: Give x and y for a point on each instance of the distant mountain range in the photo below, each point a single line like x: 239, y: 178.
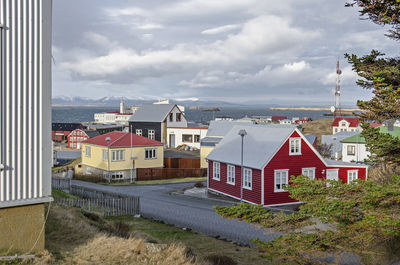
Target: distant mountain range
x: 115, y: 101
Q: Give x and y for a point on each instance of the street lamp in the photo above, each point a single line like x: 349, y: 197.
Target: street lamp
x: 242, y: 133
x: 108, y: 140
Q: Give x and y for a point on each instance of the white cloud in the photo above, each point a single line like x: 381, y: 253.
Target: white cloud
x: 221, y: 29
x: 296, y: 66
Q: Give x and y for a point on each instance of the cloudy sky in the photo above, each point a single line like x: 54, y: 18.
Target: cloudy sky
x: 231, y: 50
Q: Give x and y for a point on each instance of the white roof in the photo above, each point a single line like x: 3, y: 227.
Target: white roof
x: 221, y: 127
x: 259, y: 145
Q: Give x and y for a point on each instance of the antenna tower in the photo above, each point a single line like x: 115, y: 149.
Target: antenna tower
x: 337, y: 113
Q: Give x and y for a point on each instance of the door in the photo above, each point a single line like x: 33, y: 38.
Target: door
x: 172, y: 140
x: 332, y: 174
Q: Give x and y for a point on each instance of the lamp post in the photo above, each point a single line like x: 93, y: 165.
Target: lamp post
x: 108, y: 140
x: 242, y: 133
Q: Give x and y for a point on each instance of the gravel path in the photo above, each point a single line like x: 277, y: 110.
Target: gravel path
x: 187, y: 212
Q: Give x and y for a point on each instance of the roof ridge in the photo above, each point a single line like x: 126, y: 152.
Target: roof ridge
x: 124, y: 133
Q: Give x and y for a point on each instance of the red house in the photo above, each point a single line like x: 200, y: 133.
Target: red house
x: 271, y: 154
x: 60, y: 131
x: 76, y: 137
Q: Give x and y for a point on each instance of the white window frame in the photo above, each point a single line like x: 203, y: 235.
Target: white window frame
x: 294, y: 141
x: 151, y: 134
x: 216, y: 171
x: 139, y: 132
x: 230, y: 174
x: 88, y: 151
x: 305, y: 172
x: 117, y: 175
x: 351, y: 178
x: 105, y: 155
x: 150, y: 153
x: 117, y: 155
x: 280, y: 171
x: 247, y: 178
x: 351, y: 146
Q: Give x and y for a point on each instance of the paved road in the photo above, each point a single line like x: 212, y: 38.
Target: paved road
x: 182, y: 211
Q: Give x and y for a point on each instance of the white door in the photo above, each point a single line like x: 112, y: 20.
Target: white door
x: 332, y: 174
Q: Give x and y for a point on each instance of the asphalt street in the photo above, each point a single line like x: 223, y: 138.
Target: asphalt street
x: 187, y: 212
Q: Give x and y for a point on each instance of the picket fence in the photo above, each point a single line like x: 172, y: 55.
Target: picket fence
x: 105, y: 207
x: 91, y: 199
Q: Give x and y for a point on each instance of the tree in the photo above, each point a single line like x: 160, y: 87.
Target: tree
x: 382, y: 76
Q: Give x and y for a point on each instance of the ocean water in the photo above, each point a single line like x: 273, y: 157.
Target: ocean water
x: 82, y: 114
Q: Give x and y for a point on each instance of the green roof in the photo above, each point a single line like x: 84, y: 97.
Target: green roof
x: 358, y: 138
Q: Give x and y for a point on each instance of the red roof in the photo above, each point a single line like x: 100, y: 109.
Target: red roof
x: 277, y: 118
x: 122, y: 139
x: 374, y: 124
x: 354, y: 122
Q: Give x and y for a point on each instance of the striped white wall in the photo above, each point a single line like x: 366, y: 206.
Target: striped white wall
x: 25, y: 101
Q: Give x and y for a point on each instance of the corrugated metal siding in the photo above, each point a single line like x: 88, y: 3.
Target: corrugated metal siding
x: 222, y: 186
x: 25, y: 99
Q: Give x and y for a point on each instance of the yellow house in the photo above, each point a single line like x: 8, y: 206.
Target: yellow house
x: 116, y: 155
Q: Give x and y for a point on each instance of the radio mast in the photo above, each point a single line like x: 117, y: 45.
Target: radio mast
x: 336, y: 109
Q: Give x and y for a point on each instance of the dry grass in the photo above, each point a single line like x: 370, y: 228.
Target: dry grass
x: 383, y: 174
x: 318, y: 128
x: 72, y: 239
x: 114, y: 250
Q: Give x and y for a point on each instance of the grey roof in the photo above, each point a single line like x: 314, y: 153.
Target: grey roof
x: 335, y: 141
x: 260, y: 145
x: 68, y: 154
x: 99, y: 126
x: 310, y: 138
x: 331, y: 162
x: 210, y: 141
x: 92, y: 133
x: 151, y: 112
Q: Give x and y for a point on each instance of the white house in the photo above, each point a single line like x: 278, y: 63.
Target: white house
x: 346, y: 125
x: 354, y: 147
x: 190, y: 136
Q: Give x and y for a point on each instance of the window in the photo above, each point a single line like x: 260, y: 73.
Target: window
x: 139, y: 132
x: 171, y: 117
x: 281, y: 179
x: 178, y: 116
x: 231, y: 174
x: 117, y: 175
x: 150, y: 134
x: 336, y: 130
x: 118, y: 155
x: 247, y: 178
x: 216, y: 171
x: 351, y: 150
x: 295, y: 146
x: 187, y: 138
x: 197, y: 138
x: 309, y: 172
x: 343, y: 124
x: 352, y: 175
x: 105, y: 155
x: 87, y: 151
x: 150, y: 154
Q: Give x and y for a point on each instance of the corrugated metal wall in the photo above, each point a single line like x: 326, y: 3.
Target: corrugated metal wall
x: 25, y: 100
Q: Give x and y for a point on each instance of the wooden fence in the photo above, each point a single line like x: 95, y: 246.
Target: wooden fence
x: 63, y: 184
x: 104, y: 202
x: 169, y: 173
x: 106, y: 207
x: 182, y: 162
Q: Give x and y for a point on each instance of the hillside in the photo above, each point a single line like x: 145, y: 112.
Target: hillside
x: 318, y: 128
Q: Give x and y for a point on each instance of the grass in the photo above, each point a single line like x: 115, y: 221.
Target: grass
x: 154, y: 182
x: 60, y: 194
x: 205, y: 248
